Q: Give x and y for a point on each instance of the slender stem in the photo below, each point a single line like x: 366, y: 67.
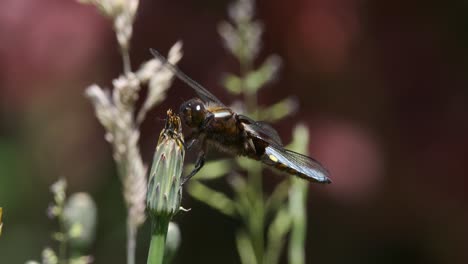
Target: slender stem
x: 131, y: 227
x: 158, y: 240
x: 62, y: 250
x: 249, y: 97
x: 127, y: 66
x: 131, y: 241
x: 252, y: 104
x: 297, y: 205
x: 257, y: 217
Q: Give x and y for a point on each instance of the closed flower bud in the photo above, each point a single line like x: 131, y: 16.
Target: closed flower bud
x: 165, y: 183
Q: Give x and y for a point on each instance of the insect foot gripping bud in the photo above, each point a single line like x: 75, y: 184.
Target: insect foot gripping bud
x: 165, y: 184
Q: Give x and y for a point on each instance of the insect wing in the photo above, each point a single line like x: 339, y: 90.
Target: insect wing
x: 261, y: 130
x: 269, y: 131
x: 301, y: 165
x: 203, y: 93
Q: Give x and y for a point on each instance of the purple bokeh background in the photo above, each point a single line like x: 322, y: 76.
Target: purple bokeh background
x: 382, y: 86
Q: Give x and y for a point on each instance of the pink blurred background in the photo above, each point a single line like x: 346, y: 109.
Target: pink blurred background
x: 382, y: 86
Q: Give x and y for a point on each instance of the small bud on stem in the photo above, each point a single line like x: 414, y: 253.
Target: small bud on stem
x: 165, y: 184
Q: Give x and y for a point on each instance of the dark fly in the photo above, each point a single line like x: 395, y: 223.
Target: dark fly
x: 215, y: 124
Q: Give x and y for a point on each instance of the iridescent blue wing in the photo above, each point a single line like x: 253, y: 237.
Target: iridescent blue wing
x: 277, y: 156
x: 204, y: 94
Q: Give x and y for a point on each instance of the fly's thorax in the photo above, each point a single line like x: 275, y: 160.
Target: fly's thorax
x: 193, y: 112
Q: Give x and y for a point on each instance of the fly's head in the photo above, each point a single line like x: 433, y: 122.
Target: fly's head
x: 193, y: 113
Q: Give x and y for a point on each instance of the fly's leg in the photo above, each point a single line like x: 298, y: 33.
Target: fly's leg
x: 195, y: 135
x: 191, y: 139
x: 198, y: 165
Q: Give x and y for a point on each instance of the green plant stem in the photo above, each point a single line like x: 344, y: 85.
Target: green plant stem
x: 249, y: 96
x: 256, y: 221
x: 297, y: 205
x: 257, y: 215
x: 158, y: 240
x: 62, y: 250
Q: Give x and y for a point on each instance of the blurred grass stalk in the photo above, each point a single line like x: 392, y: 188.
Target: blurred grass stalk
x: 165, y: 185
x: 272, y: 214
x: 77, y: 217
x: 298, y: 202
x: 116, y: 111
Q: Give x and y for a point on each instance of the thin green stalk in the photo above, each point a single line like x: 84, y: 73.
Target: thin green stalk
x: 257, y: 216
x: 297, y: 204
x: 158, y: 240
x: 59, y: 190
x: 249, y: 96
x: 62, y: 250
x: 256, y: 220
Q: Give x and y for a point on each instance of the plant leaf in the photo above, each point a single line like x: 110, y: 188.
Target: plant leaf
x: 217, y: 200
x: 233, y: 83
x: 277, y: 231
x: 263, y: 75
x: 278, y: 196
x: 245, y: 248
x: 279, y: 110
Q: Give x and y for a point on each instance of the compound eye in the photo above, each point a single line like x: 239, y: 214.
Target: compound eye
x: 198, y: 107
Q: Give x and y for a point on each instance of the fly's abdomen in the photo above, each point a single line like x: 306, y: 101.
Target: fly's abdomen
x: 295, y: 165
x: 273, y: 161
